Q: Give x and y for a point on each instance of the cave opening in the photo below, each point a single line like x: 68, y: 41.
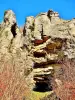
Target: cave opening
x: 42, y: 87
x: 13, y: 30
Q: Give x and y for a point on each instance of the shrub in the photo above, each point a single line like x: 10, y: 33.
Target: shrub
x: 66, y: 90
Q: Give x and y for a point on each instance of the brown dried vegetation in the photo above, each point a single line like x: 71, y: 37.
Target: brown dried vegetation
x: 12, y: 87
x: 65, y: 86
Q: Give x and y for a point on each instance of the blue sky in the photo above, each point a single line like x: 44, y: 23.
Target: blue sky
x: 24, y: 8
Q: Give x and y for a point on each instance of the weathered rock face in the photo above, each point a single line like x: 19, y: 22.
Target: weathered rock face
x: 44, y: 41
x: 9, y: 17
x: 50, y: 39
x: 11, y: 45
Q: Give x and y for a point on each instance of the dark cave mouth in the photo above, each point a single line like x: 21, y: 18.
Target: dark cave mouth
x: 42, y: 87
x: 13, y: 29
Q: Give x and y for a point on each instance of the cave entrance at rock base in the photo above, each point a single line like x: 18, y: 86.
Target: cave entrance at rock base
x: 42, y: 87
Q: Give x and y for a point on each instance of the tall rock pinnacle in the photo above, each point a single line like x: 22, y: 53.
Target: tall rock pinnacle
x: 9, y: 17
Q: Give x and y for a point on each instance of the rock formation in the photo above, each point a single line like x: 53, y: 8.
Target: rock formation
x: 50, y: 39
x: 45, y: 40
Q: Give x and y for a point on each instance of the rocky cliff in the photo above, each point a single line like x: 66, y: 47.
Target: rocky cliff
x: 36, y: 50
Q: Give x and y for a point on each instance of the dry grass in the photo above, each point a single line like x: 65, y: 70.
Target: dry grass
x: 12, y: 86
x: 65, y: 85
